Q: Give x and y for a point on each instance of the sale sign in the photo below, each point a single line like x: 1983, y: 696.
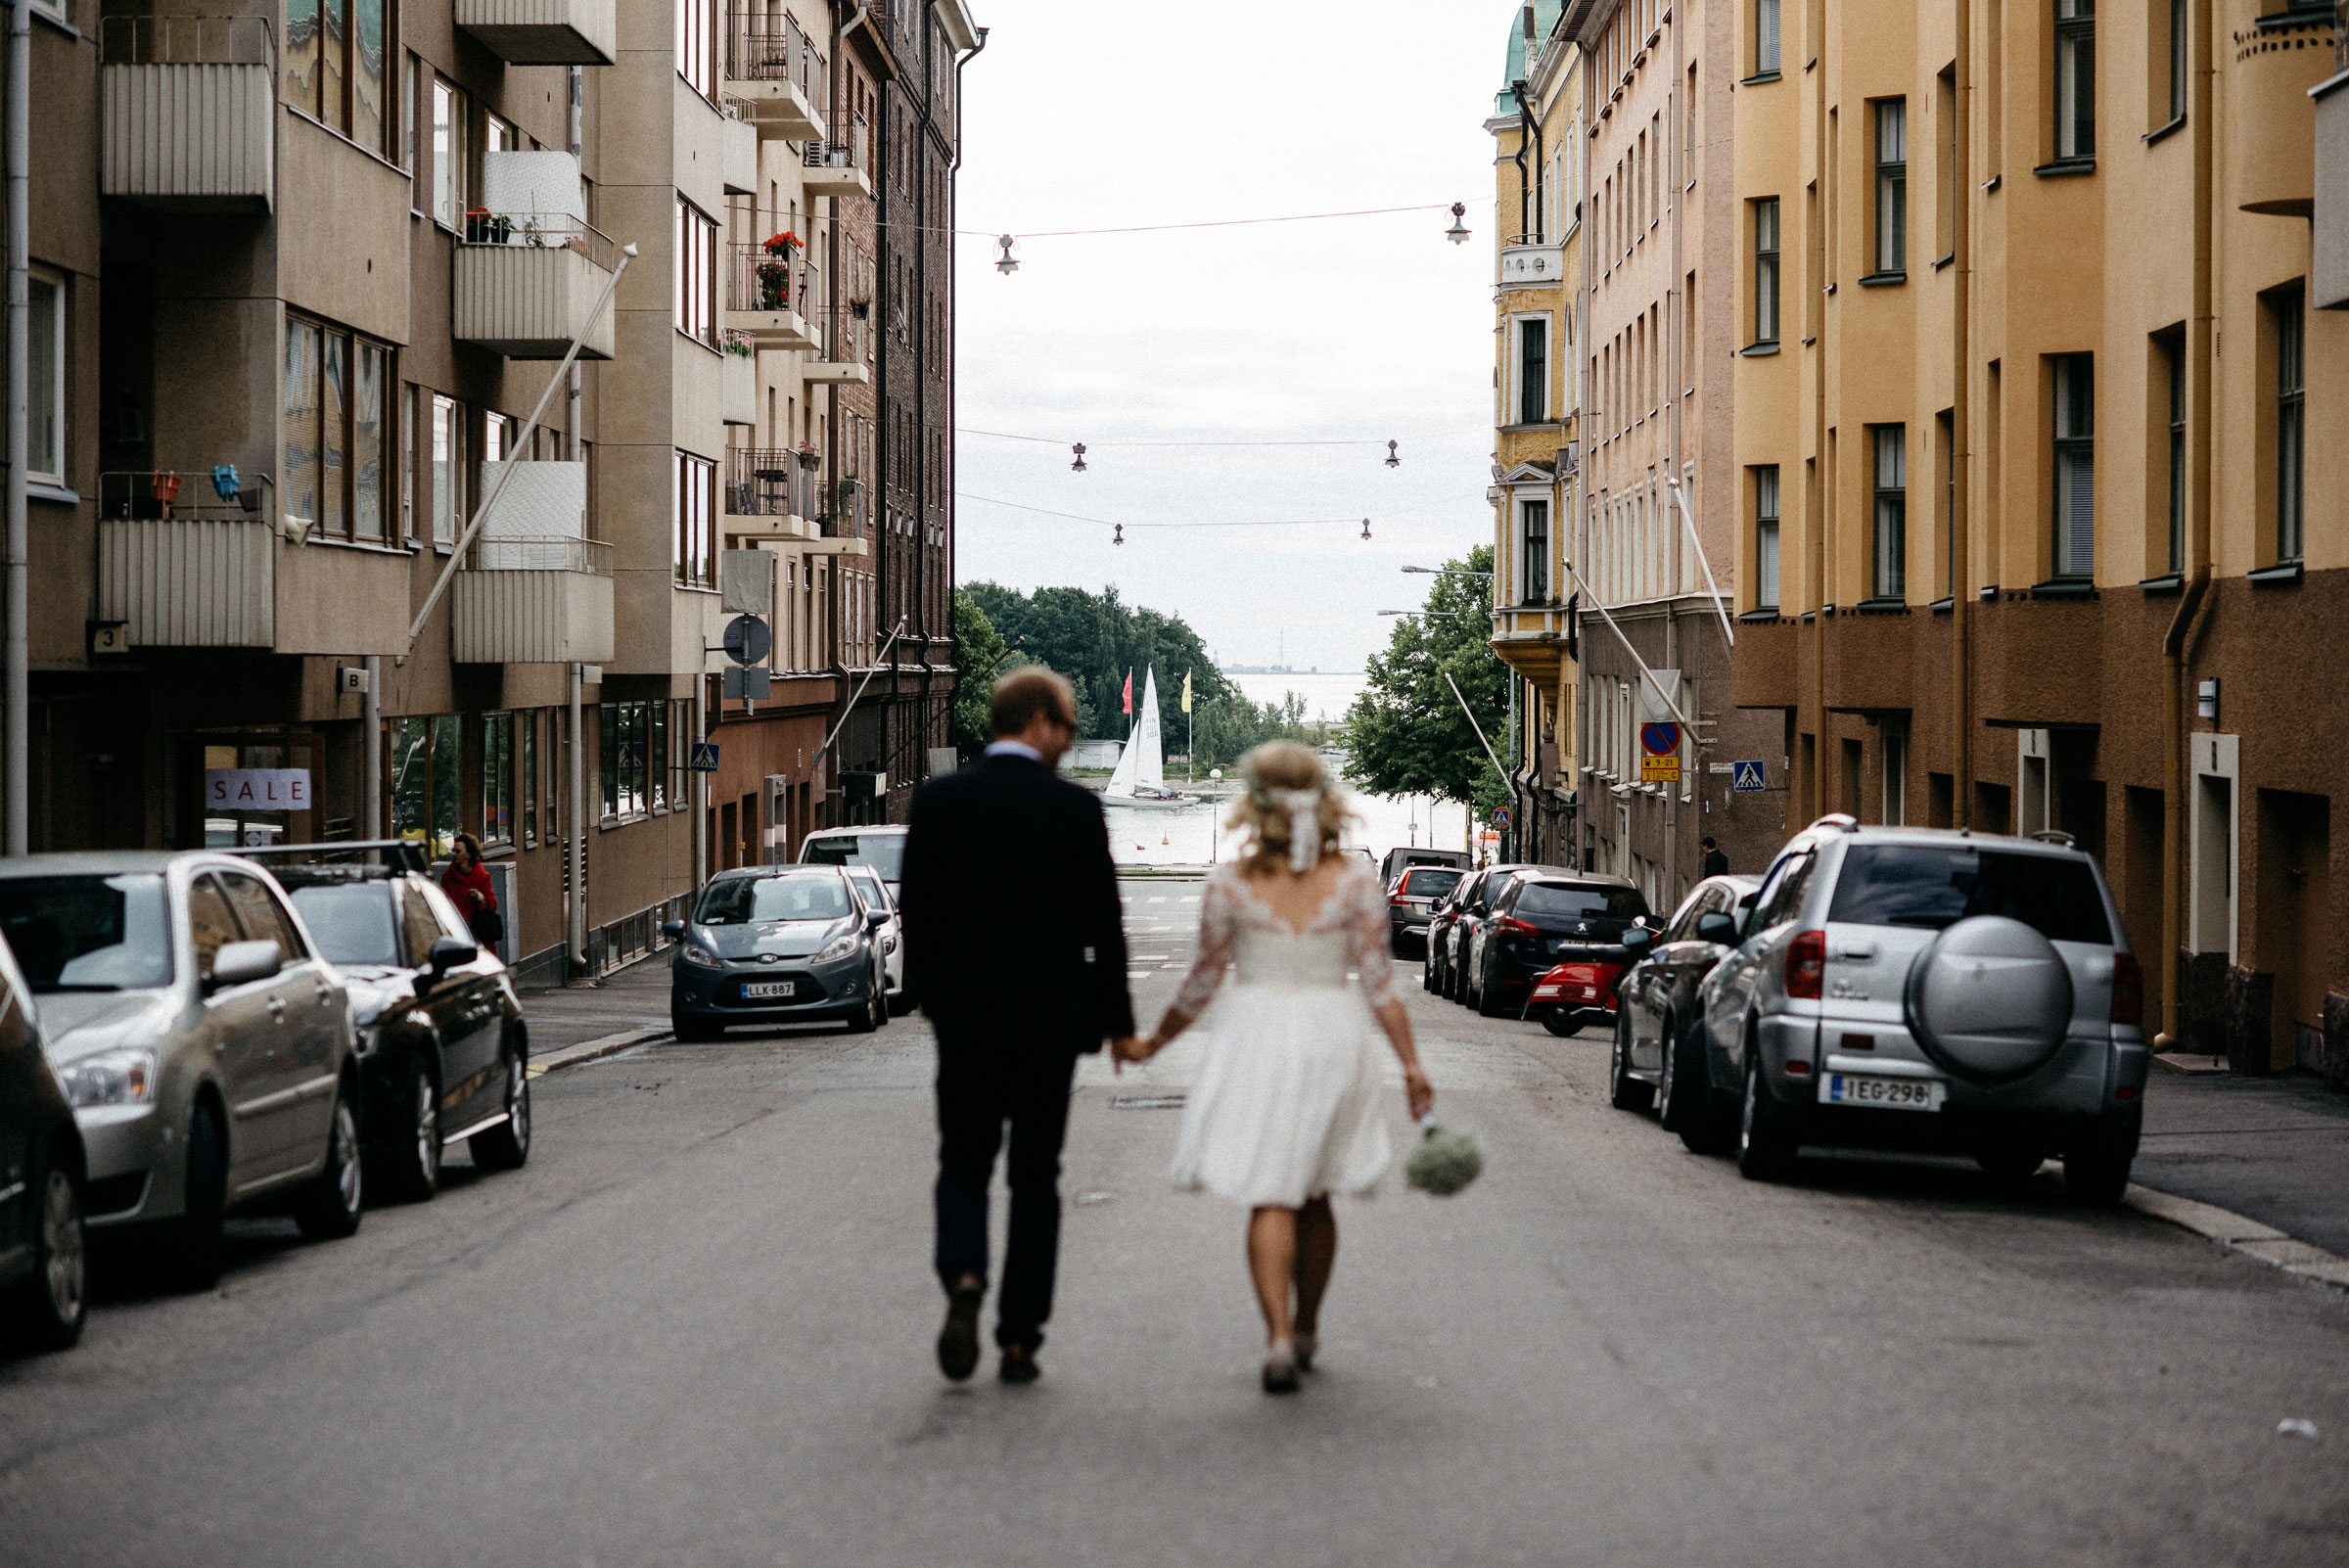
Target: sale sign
x: 257, y: 789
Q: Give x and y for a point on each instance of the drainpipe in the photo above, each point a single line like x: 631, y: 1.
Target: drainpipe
x: 2177, y: 666
x: 576, y: 911
x: 570, y: 419
x: 1676, y: 114
x: 15, y: 749
x: 1588, y: 383
x: 1962, y: 495
x: 371, y: 746
x: 1525, y: 189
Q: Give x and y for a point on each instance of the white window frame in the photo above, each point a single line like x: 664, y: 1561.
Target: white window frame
x: 45, y: 451
x: 1514, y: 414
x: 1522, y: 546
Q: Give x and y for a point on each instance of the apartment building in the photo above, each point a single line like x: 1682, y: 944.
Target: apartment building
x: 2039, y: 355
x: 1655, y: 532
x: 304, y: 568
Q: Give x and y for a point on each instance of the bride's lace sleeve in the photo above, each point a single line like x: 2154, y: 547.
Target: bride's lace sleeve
x: 1368, y: 933
x: 1218, y: 926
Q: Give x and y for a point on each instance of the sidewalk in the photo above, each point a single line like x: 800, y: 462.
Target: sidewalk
x: 2271, y: 1149
x: 635, y: 998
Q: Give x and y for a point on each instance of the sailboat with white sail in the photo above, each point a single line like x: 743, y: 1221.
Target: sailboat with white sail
x: 1141, y: 778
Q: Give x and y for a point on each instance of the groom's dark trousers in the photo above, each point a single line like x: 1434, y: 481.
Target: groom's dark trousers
x: 1014, y: 949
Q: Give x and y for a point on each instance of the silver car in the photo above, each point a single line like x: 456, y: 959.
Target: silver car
x: 1908, y: 987
x: 890, y: 936
x: 205, y: 1046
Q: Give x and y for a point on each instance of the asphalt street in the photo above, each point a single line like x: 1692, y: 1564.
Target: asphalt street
x: 696, y: 1329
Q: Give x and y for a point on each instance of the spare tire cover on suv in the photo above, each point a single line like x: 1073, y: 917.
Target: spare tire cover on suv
x: 1990, y: 999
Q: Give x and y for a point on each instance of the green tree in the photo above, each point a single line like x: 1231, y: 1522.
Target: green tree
x: 1228, y: 725
x: 1096, y: 640
x: 978, y: 652
x: 1405, y: 734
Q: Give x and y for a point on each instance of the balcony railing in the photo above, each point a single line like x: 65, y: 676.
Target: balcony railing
x: 775, y: 297
x: 540, y: 554
x: 525, y: 283
x: 772, y: 482
x: 188, y: 109
x: 776, y: 69
x: 837, y: 169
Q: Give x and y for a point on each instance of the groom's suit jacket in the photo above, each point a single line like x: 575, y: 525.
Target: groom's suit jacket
x: 1013, y: 936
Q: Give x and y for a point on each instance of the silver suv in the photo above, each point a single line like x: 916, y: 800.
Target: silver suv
x: 1919, y: 988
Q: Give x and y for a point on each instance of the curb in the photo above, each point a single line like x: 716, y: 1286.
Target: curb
x: 2261, y: 1243
x: 593, y: 1050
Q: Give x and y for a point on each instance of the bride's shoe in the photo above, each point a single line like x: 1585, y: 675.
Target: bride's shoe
x: 1306, y: 1345
x: 1280, y: 1368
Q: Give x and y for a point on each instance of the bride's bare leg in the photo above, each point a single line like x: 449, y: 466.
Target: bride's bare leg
x: 1316, y: 1254
x: 1273, y: 1265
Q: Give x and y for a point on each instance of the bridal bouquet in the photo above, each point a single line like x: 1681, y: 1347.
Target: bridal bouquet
x: 1445, y: 1159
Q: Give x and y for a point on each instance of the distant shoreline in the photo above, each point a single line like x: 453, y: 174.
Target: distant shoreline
x: 1279, y: 669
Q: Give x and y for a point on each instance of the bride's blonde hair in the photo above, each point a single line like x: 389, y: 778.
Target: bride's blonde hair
x: 1269, y: 769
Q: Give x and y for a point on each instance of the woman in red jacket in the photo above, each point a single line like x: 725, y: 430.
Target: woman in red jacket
x: 467, y: 884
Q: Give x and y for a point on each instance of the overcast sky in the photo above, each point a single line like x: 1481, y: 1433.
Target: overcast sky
x: 1095, y: 114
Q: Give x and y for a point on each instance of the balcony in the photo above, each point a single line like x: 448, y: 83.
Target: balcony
x: 2271, y: 130
x: 2328, y: 265
x: 1533, y: 266
x: 535, y: 590
x: 776, y: 72
x: 772, y: 493
x: 836, y: 169
x: 772, y: 297
x: 738, y: 394
x: 187, y: 108
x: 527, y: 282
x: 543, y: 32
x: 198, y: 574
x: 1532, y: 640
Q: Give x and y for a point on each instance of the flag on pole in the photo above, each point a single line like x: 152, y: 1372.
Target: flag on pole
x: 1129, y: 699
x: 1186, y: 691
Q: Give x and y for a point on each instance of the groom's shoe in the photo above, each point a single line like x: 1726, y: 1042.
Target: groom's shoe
x: 1019, y: 1365
x: 958, y: 1341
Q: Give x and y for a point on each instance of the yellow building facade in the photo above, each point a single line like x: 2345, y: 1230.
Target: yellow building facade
x: 2034, y: 412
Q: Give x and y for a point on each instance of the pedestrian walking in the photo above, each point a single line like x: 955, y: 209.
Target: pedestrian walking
x: 1015, y: 949
x: 1717, y: 865
x: 1284, y: 1109
x: 466, y: 881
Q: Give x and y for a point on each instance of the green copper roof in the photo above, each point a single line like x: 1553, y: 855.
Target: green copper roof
x: 1546, y: 16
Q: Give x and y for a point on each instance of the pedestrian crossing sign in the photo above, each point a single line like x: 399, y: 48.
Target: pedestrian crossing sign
x: 1745, y: 778
x: 703, y: 758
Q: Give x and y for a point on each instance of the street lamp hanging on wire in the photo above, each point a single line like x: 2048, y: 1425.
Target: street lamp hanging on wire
x: 1393, y: 461
x: 1006, y: 264
x: 1078, y: 449
x: 1457, y: 233
x: 1365, y: 527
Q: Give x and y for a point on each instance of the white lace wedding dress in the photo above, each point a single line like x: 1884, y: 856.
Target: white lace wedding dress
x: 1285, y: 1106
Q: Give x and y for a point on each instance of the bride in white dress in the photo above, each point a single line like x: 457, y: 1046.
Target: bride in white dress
x: 1284, y: 1109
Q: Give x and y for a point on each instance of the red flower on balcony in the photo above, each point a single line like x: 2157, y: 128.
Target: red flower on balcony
x: 783, y: 244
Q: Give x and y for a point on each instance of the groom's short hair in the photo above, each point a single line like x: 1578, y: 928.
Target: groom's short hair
x: 1022, y: 695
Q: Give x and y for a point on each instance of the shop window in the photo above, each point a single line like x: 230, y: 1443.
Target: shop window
x: 498, y: 778
x: 424, y: 759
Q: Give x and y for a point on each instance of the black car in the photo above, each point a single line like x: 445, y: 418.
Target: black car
x: 1435, y: 972
x: 1409, y: 901
x: 443, y: 1051
x: 1470, y: 908
x: 1539, y: 918
x: 1658, y: 1020
x: 43, y: 1297
x: 779, y: 945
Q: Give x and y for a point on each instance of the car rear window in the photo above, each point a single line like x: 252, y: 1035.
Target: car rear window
x: 885, y: 853
x: 1582, y: 900
x: 353, y: 921
x: 1422, y: 882
x: 1930, y: 886
x: 88, y: 933
x: 738, y: 901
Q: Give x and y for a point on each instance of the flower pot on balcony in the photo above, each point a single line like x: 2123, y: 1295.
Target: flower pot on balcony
x: 770, y: 289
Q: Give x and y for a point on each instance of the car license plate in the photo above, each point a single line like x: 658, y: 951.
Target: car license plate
x: 754, y: 990
x: 1884, y: 1093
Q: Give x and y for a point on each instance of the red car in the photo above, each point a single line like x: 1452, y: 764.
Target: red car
x: 1576, y: 993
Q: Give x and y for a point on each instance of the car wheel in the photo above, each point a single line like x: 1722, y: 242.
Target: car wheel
x: 1682, y: 1096
x: 47, y: 1312
x: 199, y: 1252
x: 1488, y: 1000
x: 1624, y: 1092
x: 860, y: 1022
x: 413, y: 1165
x: 881, y: 1012
x: 1765, y: 1131
x: 1561, y: 1022
x: 2096, y: 1176
x: 332, y: 1205
x: 505, y: 1146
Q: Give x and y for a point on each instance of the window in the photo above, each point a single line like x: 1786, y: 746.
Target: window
x: 1945, y: 477
x: 498, y: 778
x: 335, y: 66
x: 1765, y: 270
x: 2291, y: 388
x: 1765, y: 536
x: 448, y: 468
x: 1892, y: 186
x: 624, y: 759
x: 697, y: 44
x: 336, y: 479
x: 2170, y: 356
x: 697, y: 274
x: 551, y: 791
x: 526, y: 778
x: 696, y: 490
x: 657, y: 761
x: 1533, y: 529
x: 2075, y: 80
x: 2075, y: 465
x: 1889, y: 578
x: 422, y: 760
x: 45, y: 357
x: 1532, y: 370
x: 408, y: 117
x: 447, y: 112
x: 2176, y: 53
x: 408, y: 426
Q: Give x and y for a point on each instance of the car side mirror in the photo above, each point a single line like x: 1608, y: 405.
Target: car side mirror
x: 1716, y: 928
x: 875, y: 919
x: 674, y: 930
x: 240, y: 963
x: 447, y: 954
x: 1637, y: 941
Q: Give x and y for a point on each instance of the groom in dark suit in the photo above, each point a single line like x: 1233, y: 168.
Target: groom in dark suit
x: 1015, y: 949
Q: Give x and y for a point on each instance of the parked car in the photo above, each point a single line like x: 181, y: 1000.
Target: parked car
x: 777, y: 944
x: 207, y: 1047
x: 1412, y: 895
x: 1912, y: 989
x: 1539, y: 920
x: 1399, y: 860
x: 1658, y: 1005
x: 880, y: 847
x: 443, y: 1051
x: 891, y: 936
x: 43, y: 1265
x: 1471, y: 901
